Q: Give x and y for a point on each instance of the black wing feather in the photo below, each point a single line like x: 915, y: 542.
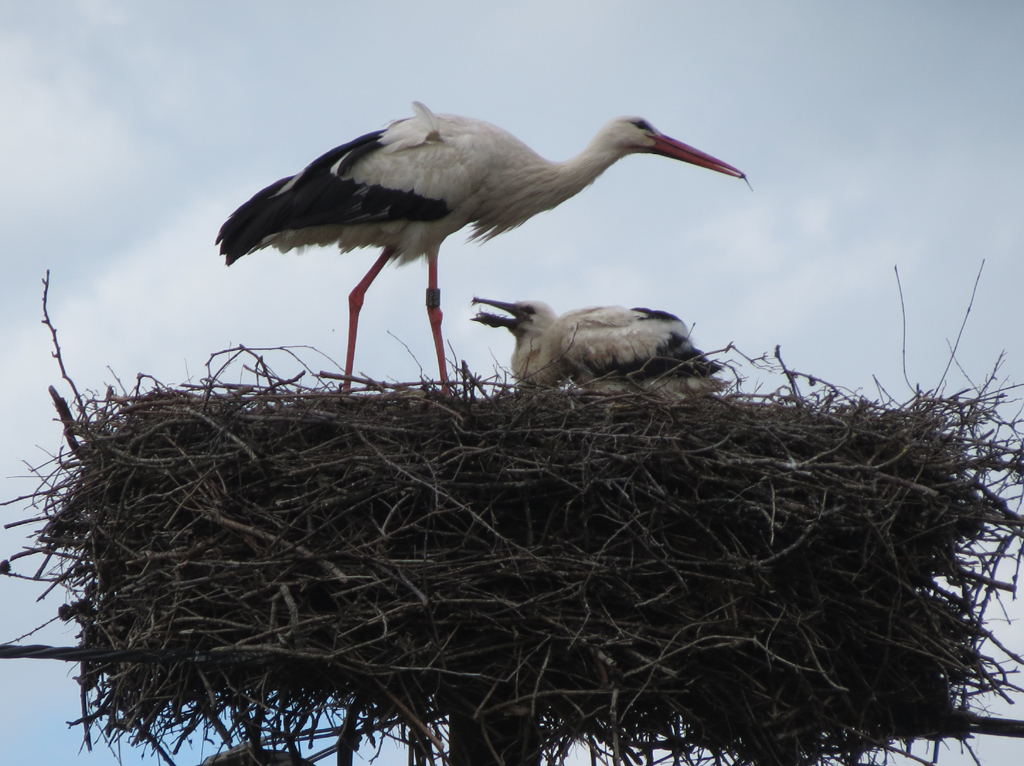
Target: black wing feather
x: 320, y: 197
x: 648, y: 314
x: 675, y: 356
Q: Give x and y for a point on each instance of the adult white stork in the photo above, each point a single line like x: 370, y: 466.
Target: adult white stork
x: 407, y: 187
x: 608, y: 347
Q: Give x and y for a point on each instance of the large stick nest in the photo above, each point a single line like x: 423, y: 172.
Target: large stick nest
x: 775, y: 579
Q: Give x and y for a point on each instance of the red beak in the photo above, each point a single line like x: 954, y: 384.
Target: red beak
x: 677, y: 150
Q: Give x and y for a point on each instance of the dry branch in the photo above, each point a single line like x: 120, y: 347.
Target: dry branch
x: 739, y: 579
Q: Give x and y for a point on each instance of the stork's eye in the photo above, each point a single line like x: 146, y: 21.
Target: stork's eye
x: 528, y: 309
x: 644, y: 125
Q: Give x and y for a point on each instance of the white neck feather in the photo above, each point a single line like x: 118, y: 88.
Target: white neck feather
x: 537, y: 185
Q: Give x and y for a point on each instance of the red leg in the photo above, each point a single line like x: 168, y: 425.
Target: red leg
x: 355, y: 302
x: 434, y: 315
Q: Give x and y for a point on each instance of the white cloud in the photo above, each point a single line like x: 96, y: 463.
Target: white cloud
x: 59, y: 150
x: 102, y: 12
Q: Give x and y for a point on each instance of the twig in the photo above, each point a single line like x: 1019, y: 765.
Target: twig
x: 415, y: 722
x: 959, y: 335
x: 56, y: 346
x: 903, y: 314
x: 66, y: 419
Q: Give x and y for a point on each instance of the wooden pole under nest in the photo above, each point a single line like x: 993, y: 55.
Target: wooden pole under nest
x: 504, y: 741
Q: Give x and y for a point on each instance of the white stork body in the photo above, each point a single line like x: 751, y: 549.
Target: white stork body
x: 606, y: 347
x: 409, y: 186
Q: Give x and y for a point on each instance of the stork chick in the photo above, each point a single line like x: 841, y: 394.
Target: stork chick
x: 606, y: 347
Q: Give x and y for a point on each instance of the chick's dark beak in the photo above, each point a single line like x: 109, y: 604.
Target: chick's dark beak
x: 496, y: 320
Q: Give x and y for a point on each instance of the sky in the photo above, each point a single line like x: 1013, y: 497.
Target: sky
x: 877, y: 136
